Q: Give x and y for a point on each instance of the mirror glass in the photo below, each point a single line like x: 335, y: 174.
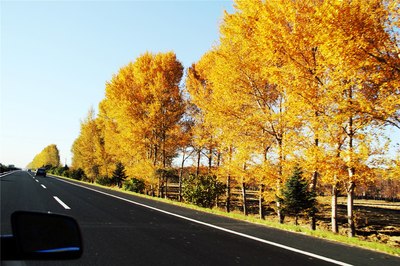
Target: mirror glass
x: 47, y: 235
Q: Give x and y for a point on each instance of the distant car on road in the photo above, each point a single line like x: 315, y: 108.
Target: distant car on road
x: 40, y: 171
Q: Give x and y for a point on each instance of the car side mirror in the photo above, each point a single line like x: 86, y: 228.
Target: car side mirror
x: 45, y: 236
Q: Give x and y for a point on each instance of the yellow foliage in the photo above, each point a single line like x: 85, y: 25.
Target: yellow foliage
x: 141, y: 113
x: 300, y: 81
x: 49, y: 156
x: 88, y: 149
x: 290, y: 82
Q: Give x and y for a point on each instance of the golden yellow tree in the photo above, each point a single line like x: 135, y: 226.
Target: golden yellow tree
x: 48, y: 157
x: 339, y: 61
x: 290, y: 70
x: 291, y: 33
x: 251, y: 92
x: 199, y: 88
x: 87, y: 149
x: 141, y: 114
x: 364, y: 77
x: 105, y: 160
x: 238, y: 101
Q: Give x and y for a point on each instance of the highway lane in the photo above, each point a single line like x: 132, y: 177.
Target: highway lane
x: 21, y: 191
x: 119, y: 231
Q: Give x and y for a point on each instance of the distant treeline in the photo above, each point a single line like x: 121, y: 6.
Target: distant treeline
x: 7, y: 168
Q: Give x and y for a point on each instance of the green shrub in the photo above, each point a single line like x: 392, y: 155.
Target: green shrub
x: 134, y: 185
x: 60, y: 170
x: 105, y: 181
x: 119, y: 174
x: 78, y: 174
x: 202, y: 190
x: 297, y: 198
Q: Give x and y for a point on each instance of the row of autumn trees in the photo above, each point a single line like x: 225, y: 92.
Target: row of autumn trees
x: 308, y: 83
x: 49, y: 157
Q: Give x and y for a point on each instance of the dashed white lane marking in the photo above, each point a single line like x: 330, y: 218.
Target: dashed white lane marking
x: 37, y: 180
x: 218, y: 227
x: 62, y: 203
x: 43, y: 186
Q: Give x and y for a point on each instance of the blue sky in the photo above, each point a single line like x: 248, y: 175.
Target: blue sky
x: 56, y: 57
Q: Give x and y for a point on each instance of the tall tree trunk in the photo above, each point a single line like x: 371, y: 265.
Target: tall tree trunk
x: 228, y: 185
x: 164, y: 152
x: 261, y: 187
x: 155, y: 155
x: 218, y: 159
x: 350, y: 209
x: 180, y: 182
x: 334, y: 221
x: 198, y: 163
x: 166, y: 187
x: 164, y: 162
x: 335, y: 192
x: 280, y: 214
x: 314, y: 180
x: 159, y: 187
x: 181, y: 175
x: 351, y: 184
x: 261, y: 203
x: 180, y: 186
x: 210, y: 152
x: 244, y: 199
x: 228, y: 194
x: 313, y: 217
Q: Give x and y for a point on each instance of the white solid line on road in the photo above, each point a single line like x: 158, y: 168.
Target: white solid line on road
x: 62, y: 203
x: 8, y: 173
x: 218, y: 227
x: 43, y: 186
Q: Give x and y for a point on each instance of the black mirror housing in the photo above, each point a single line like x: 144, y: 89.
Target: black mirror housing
x: 46, y: 236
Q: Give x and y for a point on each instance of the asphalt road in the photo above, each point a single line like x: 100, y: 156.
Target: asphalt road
x: 121, y: 229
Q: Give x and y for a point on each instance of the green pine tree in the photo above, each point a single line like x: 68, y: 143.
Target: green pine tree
x: 119, y: 174
x: 297, y: 198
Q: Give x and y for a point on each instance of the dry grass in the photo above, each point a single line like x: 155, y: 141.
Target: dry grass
x: 376, y: 220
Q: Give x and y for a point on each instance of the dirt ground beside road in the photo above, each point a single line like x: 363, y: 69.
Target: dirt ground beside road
x: 377, y: 221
